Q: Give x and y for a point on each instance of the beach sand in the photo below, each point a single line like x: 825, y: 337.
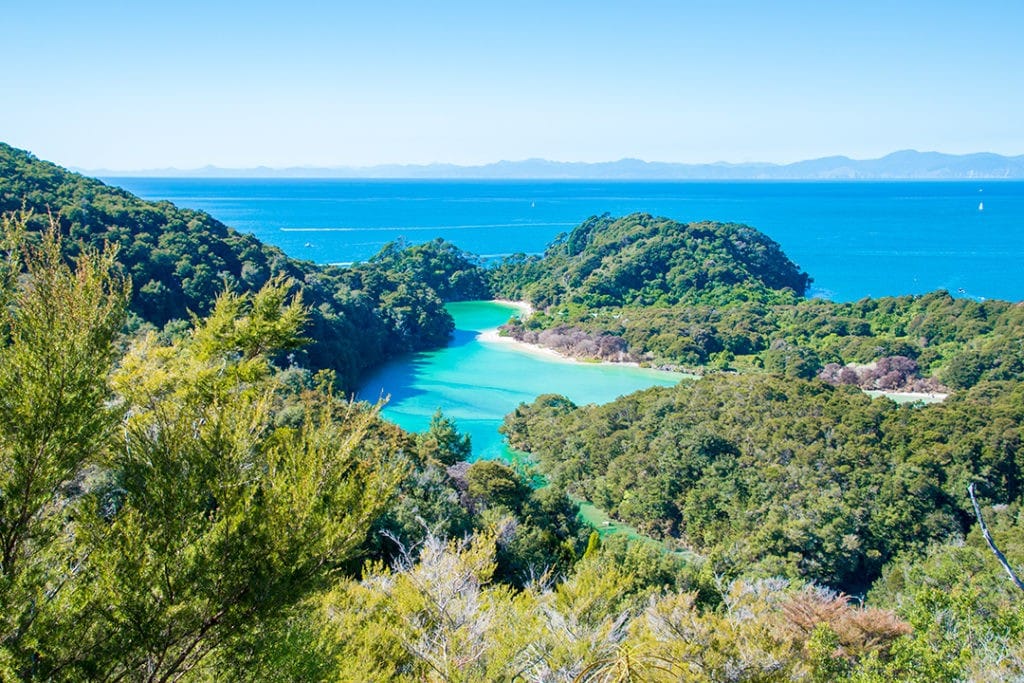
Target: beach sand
x: 908, y: 396
x: 526, y: 310
x: 492, y: 337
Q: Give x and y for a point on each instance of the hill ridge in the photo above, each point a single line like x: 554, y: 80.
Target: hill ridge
x: 905, y: 164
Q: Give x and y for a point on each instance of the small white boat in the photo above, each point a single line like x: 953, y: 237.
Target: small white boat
x: 981, y: 206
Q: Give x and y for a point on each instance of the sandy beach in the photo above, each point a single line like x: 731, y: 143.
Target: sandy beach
x: 492, y: 336
x: 524, y: 308
x: 908, y: 396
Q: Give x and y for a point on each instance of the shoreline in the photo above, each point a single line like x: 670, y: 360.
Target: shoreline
x: 907, y: 396
x: 493, y: 337
x: 524, y: 307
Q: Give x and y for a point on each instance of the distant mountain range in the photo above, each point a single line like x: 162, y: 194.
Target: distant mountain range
x: 904, y: 165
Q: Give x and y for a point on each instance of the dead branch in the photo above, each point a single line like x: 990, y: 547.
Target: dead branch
x: 991, y: 543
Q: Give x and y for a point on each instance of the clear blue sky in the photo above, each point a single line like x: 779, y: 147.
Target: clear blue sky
x: 142, y: 85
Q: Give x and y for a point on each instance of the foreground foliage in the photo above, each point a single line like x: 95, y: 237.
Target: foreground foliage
x: 56, y: 342
x: 443, y: 618
x: 145, y: 548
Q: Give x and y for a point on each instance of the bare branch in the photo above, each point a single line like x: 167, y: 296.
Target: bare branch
x: 991, y: 543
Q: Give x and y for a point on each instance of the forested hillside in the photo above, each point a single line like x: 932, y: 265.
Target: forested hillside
x: 640, y: 260
x: 783, y: 476
x: 179, y: 261
x: 787, y: 469
x: 707, y: 296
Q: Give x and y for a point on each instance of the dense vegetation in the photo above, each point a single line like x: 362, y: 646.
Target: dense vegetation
x: 179, y: 261
x: 782, y: 476
x: 724, y: 296
x: 191, y: 503
x: 188, y: 509
x: 644, y: 261
x: 616, y: 618
x: 775, y: 472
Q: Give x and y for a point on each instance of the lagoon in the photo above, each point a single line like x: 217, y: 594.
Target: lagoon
x: 477, y: 382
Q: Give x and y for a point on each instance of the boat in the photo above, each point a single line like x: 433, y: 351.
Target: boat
x: 981, y: 206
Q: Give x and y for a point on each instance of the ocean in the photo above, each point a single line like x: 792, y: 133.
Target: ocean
x: 855, y: 239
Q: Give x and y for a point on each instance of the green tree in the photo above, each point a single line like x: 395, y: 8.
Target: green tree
x: 216, y: 520
x: 437, y: 619
x: 443, y: 441
x: 492, y: 483
x: 56, y: 345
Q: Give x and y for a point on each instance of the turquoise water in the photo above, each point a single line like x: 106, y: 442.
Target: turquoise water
x: 855, y: 239
x: 478, y: 382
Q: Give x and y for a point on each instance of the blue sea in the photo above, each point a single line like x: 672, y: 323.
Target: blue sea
x: 855, y: 239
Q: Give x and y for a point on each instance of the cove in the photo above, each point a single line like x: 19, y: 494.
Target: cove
x: 477, y: 382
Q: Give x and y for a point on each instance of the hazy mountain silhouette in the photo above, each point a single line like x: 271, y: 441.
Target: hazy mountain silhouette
x: 903, y: 165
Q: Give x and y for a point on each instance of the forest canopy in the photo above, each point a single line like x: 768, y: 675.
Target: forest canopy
x: 782, y: 476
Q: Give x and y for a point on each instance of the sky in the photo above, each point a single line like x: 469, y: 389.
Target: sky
x: 130, y: 85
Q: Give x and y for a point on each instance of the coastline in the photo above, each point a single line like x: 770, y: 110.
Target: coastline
x: 492, y: 336
x: 524, y: 307
x: 907, y: 396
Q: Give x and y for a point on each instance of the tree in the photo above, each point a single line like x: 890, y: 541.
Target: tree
x: 493, y: 483
x: 439, y: 618
x: 56, y: 345
x: 215, y: 520
x: 443, y: 442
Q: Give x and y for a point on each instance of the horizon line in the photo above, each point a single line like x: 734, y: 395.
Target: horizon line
x: 530, y: 160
